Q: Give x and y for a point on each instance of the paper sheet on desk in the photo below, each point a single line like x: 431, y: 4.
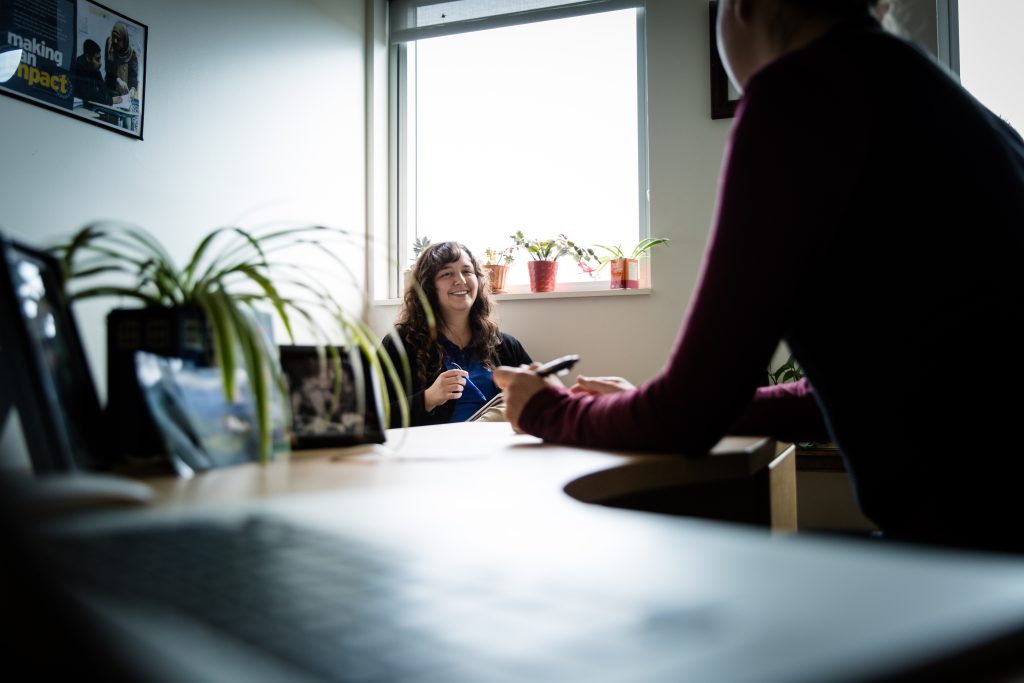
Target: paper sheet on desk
x: 410, y: 447
x: 383, y: 454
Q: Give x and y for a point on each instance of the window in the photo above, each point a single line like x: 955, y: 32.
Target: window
x: 987, y: 52
x: 533, y: 121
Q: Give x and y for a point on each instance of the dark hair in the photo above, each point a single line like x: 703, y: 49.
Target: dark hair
x: 792, y: 13
x: 90, y: 47
x: 412, y: 323
x: 832, y: 8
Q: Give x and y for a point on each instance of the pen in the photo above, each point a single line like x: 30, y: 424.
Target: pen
x: 557, y: 366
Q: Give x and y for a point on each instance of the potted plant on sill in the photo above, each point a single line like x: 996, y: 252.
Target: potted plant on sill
x: 208, y: 312
x: 496, y: 263
x: 625, y: 270
x: 418, y: 245
x: 543, y: 266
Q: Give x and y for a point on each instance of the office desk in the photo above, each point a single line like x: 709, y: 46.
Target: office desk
x: 465, y: 460
x: 701, y: 600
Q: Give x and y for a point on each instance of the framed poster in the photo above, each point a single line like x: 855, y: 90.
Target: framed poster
x: 724, y: 96
x: 76, y: 57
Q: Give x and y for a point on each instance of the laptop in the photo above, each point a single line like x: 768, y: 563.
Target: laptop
x: 405, y: 584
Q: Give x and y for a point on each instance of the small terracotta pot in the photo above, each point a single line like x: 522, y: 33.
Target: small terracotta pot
x: 542, y: 275
x: 625, y: 273
x: 496, y: 274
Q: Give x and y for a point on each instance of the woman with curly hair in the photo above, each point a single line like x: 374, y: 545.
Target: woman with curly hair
x: 451, y: 362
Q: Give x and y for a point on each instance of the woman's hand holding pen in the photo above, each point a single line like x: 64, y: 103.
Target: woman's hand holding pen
x: 448, y: 385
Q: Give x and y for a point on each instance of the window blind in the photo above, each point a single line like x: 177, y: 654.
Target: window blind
x: 416, y: 19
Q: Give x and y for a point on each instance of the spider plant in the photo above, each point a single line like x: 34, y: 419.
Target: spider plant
x: 418, y: 245
x: 231, y: 276
x: 616, y: 251
x: 789, y: 371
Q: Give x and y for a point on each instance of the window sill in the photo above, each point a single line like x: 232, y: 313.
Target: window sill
x: 537, y: 296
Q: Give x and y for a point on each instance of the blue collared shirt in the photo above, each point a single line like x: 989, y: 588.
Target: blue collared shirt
x: 480, y: 386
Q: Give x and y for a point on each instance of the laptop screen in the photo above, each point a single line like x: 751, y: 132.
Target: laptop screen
x: 50, y: 384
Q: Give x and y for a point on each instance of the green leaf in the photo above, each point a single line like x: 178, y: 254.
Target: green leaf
x: 646, y: 244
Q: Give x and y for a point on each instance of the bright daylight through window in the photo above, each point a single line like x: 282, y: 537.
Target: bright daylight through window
x: 536, y: 127
x: 991, y: 55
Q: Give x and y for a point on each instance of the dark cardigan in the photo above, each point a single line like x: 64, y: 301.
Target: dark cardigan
x: 509, y: 352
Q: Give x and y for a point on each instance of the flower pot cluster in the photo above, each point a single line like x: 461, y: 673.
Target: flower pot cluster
x: 624, y: 267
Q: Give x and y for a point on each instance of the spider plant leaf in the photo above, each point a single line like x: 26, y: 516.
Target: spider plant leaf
x: 189, y: 272
x: 271, y: 295
x: 98, y: 270
x: 79, y: 240
x: 216, y: 270
x: 428, y: 310
x: 128, y: 292
x: 402, y: 385
x: 646, y: 244
x: 151, y: 244
x: 374, y: 350
x: 223, y: 335
x: 255, y: 363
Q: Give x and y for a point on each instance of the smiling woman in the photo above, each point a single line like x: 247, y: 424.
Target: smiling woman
x: 451, y: 343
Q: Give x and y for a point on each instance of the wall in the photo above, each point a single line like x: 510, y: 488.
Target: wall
x: 631, y: 336
x: 254, y: 114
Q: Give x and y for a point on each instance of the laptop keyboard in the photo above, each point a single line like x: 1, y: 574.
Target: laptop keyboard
x: 343, y: 610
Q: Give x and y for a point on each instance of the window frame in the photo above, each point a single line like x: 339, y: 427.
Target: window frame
x: 402, y: 162
x: 947, y: 22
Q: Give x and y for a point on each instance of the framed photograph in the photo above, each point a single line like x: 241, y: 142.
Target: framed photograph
x: 46, y: 376
x: 321, y: 416
x: 724, y: 96
x: 76, y: 57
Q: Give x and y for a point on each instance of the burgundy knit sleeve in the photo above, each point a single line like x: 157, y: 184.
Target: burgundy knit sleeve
x: 789, y: 412
x: 779, y: 184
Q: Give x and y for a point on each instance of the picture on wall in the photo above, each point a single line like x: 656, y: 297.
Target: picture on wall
x: 724, y: 96
x: 76, y: 57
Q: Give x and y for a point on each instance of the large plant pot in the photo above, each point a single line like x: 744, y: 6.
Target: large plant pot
x: 542, y: 275
x: 172, y: 332
x: 496, y: 275
x: 625, y: 273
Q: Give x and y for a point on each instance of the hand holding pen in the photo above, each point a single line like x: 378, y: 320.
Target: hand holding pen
x: 448, y: 386
x: 519, y: 385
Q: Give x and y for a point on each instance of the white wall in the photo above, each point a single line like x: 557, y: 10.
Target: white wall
x: 632, y: 336
x: 254, y: 113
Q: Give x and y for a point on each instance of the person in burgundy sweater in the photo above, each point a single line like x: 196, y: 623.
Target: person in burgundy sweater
x: 871, y: 215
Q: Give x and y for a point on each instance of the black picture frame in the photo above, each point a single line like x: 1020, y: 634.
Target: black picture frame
x: 60, y: 68
x: 724, y: 98
x: 47, y: 379
x: 357, y: 416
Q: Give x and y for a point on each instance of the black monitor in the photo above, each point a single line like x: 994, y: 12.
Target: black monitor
x: 47, y: 378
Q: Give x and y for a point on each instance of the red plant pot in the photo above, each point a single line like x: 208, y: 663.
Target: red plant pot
x: 542, y: 275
